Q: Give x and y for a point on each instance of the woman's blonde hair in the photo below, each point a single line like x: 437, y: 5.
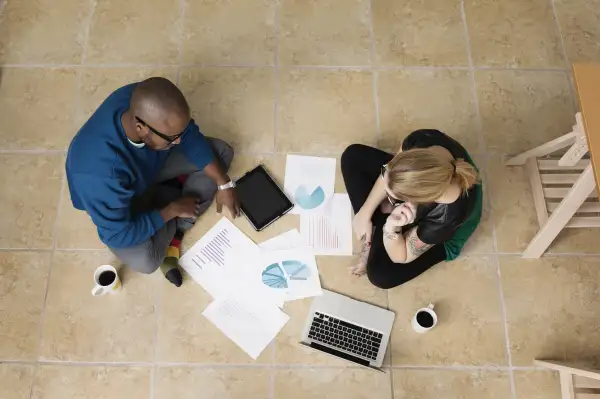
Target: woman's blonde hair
x: 421, y: 175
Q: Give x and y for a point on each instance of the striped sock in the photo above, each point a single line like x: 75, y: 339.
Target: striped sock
x: 170, y: 266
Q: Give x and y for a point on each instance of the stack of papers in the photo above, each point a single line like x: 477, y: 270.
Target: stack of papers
x: 250, y: 283
x: 248, y: 322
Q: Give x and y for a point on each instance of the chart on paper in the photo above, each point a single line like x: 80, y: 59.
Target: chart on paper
x: 213, y: 251
x: 206, y: 260
x: 309, y: 182
x: 330, y: 231
x: 322, y: 233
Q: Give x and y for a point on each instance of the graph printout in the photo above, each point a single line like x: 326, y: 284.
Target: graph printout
x: 329, y: 232
x: 309, y: 182
x: 205, y: 261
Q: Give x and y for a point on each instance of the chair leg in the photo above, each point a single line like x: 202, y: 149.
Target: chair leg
x: 544, y: 149
x: 566, y: 385
x: 564, y: 212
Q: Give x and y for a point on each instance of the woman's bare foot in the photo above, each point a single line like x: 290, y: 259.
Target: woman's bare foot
x: 358, y: 270
x: 361, y: 267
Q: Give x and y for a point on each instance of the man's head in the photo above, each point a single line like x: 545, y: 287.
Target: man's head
x: 160, y: 111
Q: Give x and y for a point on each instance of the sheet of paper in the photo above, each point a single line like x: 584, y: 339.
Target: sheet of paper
x: 329, y: 232
x: 251, y: 324
x: 205, y: 261
x: 292, y: 272
x: 244, y: 271
x: 288, y: 240
x: 309, y: 182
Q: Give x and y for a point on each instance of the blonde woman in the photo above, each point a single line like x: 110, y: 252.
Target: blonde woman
x: 414, y: 209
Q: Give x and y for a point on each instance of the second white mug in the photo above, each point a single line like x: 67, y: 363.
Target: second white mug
x: 424, y: 320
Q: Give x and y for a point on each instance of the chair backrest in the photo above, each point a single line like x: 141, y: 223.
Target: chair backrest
x: 576, y: 382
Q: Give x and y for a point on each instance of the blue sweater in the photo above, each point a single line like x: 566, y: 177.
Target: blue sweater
x: 105, y: 171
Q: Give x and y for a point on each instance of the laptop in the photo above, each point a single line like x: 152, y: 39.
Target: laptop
x: 348, y: 329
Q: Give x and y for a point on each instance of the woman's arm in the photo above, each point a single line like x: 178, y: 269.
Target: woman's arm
x: 376, y: 196
x: 405, y: 248
x: 362, y: 225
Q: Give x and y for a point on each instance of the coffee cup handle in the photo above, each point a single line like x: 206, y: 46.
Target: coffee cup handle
x: 97, y: 290
x: 430, y: 306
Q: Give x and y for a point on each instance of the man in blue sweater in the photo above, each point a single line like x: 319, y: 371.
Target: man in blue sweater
x: 143, y: 172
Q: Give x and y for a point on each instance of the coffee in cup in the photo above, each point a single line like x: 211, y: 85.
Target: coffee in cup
x: 424, y: 320
x: 107, y: 281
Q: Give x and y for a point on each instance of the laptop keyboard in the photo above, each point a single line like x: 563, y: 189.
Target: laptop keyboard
x: 346, y: 336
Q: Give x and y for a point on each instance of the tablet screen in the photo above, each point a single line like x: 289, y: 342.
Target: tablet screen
x: 262, y: 201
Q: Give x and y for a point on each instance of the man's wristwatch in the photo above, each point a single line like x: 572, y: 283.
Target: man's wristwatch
x: 390, y: 234
x: 228, y: 185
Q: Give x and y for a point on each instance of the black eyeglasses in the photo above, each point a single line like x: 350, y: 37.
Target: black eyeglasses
x: 169, y: 139
x: 395, y: 202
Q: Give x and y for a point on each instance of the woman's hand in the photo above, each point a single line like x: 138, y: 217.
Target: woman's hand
x: 362, y: 226
x: 402, y: 215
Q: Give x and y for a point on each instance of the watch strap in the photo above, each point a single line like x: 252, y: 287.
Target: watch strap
x: 230, y: 184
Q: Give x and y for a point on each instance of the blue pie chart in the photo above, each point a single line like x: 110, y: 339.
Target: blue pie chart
x: 296, y: 270
x: 309, y: 200
x: 274, y: 276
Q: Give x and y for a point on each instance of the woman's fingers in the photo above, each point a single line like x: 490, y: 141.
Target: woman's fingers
x: 409, y: 214
x: 409, y: 211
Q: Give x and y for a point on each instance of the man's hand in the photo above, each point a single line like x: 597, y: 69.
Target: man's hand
x: 228, y: 198
x: 185, y: 207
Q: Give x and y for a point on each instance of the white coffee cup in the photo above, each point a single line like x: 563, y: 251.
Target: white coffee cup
x: 424, y: 320
x: 107, y: 281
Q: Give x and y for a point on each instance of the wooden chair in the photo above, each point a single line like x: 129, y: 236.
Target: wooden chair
x: 575, y: 382
x: 564, y: 189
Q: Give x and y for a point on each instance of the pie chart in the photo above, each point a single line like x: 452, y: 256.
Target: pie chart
x: 273, y: 276
x: 296, y: 270
x: 278, y: 276
x: 309, y: 200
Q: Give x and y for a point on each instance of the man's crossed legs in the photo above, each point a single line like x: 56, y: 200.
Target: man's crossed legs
x: 149, y: 255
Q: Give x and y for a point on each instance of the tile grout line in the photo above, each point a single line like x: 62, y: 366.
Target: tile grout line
x: 375, y: 79
x: 275, y: 73
x: 374, y: 72
x: 157, y: 307
x: 48, y: 277
x: 34, y: 151
x: 86, y: 31
x: 151, y: 382
x: 482, y: 148
x: 563, y: 48
x: 496, y: 257
x: 182, y: 8
x: 560, y: 34
x: 474, y: 254
x: 282, y: 366
x: 478, y: 121
x: 265, y: 66
x: 506, y: 336
x: 34, y: 250
x: 74, y: 114
x: 276, y: 10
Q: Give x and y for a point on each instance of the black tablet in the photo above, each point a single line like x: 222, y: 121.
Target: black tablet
x: 261, y: 199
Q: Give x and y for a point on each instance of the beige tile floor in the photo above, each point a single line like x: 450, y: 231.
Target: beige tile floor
x: 303, y: 76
